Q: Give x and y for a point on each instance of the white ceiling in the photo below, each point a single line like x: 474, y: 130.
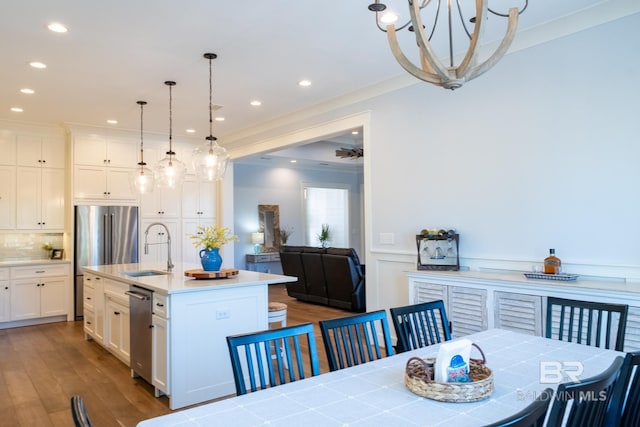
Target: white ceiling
x: 119, y: 51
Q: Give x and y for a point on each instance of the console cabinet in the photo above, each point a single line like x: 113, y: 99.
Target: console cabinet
x: 476, y: 301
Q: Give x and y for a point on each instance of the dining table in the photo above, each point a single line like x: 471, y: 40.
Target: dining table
x: 374, y: 393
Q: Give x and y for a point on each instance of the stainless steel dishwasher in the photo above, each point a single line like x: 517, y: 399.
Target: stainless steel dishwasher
x: 140, y: 309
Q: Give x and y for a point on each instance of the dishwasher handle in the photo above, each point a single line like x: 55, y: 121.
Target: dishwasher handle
x: 141, y: 297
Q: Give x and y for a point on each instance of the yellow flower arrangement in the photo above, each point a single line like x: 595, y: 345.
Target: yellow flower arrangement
x: 212, y: 237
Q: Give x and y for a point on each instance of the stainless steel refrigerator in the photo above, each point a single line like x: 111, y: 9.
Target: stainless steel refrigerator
x: 103, y: 235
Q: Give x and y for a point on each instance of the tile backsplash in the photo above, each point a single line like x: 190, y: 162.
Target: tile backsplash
x: 25, y: 246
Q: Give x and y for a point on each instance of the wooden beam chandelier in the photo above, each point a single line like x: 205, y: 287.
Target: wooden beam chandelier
x: 432, y: 69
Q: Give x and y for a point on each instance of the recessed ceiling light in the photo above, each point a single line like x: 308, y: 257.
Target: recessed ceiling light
x: 219, y: 119
x: 57, y: 27
x: 256, y: 103
x: 112, y: 122
x: 190, y: 131
x: 355, y: 132
x: 27, y: 91
x: 17, y: 109
x: 304, y: 83
x: 293, y: 161
x: 37, y: 64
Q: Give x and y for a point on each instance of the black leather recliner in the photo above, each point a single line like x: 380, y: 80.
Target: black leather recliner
x: 331, y: 276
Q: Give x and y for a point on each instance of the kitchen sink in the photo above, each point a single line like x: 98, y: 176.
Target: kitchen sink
x: 143, y: 273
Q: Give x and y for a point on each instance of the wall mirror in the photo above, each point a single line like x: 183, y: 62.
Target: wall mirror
x: 270, y: 225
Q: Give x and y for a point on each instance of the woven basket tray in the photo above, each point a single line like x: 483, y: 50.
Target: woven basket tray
x: 418, y: 377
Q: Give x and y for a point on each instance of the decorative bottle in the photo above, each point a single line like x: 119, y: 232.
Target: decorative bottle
x: 552, y: 263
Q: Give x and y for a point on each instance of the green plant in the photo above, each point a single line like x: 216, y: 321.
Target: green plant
x: 285, y: 233
x: 324, y: 235
x: 212, y: 237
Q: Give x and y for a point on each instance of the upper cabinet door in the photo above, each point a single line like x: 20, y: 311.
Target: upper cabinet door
x: 122, y: 152
x: 90, y: 150
x: 33, y: 150
x: 7, y: 148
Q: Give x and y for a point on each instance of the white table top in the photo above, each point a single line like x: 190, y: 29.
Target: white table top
x: 374, y: 394
x: 177, y: 282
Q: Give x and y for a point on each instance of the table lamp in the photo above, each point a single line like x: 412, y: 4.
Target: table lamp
x: 257, y: 239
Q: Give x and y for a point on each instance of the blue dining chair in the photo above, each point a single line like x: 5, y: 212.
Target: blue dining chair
x: 420, y: 325
x: 353, y: 340
x: 625, y: 403
x: 272, y: 357
x: 585, y: 403
x: 585, y: 322
x: 531, y: 416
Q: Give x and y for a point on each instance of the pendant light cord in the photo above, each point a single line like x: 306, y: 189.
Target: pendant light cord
x: 170, y: 152
x: 210, y: 100
x: 142, y: 163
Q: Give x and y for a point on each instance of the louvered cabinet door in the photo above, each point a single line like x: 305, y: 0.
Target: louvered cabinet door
x: 518, y: 312
x: 632, y: 336
x: 425, y: 292
x: 467, y: 310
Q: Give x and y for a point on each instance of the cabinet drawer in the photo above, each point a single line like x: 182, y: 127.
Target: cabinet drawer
x: 89, y: 321
x: 4, y: 274
x: 88, y: 295
x: 160, y: 305
x: 39, y: 271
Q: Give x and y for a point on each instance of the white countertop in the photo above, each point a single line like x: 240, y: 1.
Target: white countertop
x: 177, y: 282
x: 25, y: 263
x: 374, y: 393
x: 518, y: 279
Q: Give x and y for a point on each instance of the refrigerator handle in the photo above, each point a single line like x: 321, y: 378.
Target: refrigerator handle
x: 106, y: 250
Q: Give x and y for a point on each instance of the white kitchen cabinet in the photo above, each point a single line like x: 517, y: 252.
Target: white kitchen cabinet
x: 198, y: 199
x: 157, y: 238
x: 5, y: 296
x: 40, y: 151
x: 100, y: 150
x: 190, y: 253
x: 40, y: 198
x: 93, y: 306
x: 7, y: 197
x: 8, y: 148
x: 160, y: 355
x: 102, y: 165
x: 103, y: 182
x: 33, y: 298
x: 161, y: 203
x: 160, y: 342
x: 117, y: 331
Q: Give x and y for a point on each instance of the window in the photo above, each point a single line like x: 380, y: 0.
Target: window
x: 323, y: 205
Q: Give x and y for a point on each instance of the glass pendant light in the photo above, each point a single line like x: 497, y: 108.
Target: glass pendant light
x: 141, y: 179
x: 170, y: 171
x: 210, y: 160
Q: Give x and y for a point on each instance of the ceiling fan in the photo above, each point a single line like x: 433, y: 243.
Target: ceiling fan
x: 352, y: 153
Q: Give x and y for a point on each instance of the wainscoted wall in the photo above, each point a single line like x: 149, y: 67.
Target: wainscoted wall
x: 27, y: 246
x: 540, y: 152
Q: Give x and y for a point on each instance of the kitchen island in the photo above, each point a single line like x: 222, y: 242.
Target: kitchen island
x: 191, y: 320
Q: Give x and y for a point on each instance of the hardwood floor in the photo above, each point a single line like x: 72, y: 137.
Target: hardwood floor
x: 41, y: 367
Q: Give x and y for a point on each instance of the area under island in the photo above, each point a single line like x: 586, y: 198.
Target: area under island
x: 190, y: 322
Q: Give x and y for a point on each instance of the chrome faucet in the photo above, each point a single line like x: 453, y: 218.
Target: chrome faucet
x: 168, y: 242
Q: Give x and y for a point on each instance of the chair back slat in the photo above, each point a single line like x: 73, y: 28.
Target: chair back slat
x: 353, y: 340
x: 272, y: 357
x: 420, y: 325
x: 586, y: 322
x: 585, y: 403
x: 624, y: 410
x: 531, y: 416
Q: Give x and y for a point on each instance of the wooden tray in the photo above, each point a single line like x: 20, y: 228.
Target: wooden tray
x: 225, y: 273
